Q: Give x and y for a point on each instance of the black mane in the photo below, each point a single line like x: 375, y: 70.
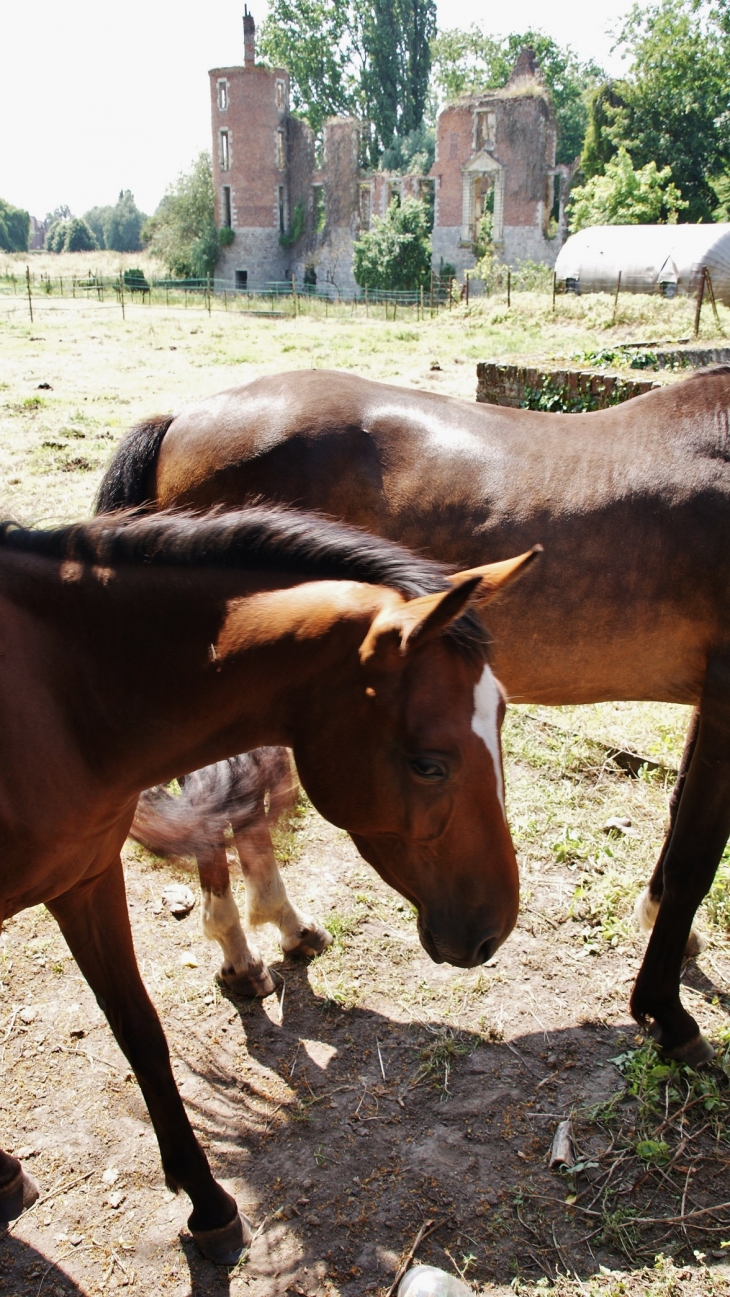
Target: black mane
x: 257, y: 539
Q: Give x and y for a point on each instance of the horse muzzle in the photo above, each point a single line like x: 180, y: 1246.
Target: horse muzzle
x: 443, y: 950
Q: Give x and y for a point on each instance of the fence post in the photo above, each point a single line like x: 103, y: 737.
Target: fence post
x: 466, y: 285
x: 294, y: 292
x: 711, y: 291
x: 451, y: 291
x: 555, y: 284
x: 367, y: 312
x: 225, y: 298
x: 509, y: 287
x: 431, y: 302
x: 207, y: 291
x: 700, y: 297
x: 615, y: 300
x: 121, y: 293
x: 30, y: 299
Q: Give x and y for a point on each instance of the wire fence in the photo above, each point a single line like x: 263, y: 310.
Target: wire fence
x: 276, y: 299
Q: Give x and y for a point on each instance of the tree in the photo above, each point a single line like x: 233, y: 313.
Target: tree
x: 368, y: 58
x: 312, y: 39
x: 604, y: 106
x: 182, y: 231
x: 78, y: 237
x: 396, y: 251
x: 471, y: 61
x: 97, y: 218
x: 120, y: 227
x: 14, y: 228
x: 721, y: 188
x: 623, y: 196
x: 70, y: 235
x: 675, y: 100
x: 395, y: 37
x: 123, y: 226
x: 413, y: 153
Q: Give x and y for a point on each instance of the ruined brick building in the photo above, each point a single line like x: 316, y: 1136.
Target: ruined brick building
x: 297, y: 203
x: 498, y: 149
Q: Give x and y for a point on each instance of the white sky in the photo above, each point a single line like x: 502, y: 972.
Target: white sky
x: 94, y: 99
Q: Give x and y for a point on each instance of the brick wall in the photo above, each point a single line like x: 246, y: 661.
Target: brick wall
x: 509, y: 384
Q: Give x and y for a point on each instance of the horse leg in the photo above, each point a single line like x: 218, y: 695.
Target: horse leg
x: 266, y: 899
x: 94, y: 920
x: 647, y: 904
x: 18, y: 1190
x: 243, y: 969
x: 701, y: 829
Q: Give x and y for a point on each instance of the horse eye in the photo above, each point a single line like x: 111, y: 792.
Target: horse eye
x: 428, y: 768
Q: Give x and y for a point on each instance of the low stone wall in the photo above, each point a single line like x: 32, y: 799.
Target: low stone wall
x: 572, y: 390
x: 682, y: 357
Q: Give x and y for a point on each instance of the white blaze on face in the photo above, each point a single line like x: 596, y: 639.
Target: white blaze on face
x: 484, y: 722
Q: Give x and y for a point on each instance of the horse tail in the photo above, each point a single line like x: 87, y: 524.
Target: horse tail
x: 129, y: 480
x: 235, y: 792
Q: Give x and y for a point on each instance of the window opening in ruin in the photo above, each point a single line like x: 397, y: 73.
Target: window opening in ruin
x: 282, y: 210
x: 482, y: 206
x: 366, y: 202
x: 223, y: 96
x: 241, y: 279
x: 319, y: 150
x: 280, y: 150
x: 280, y: 94
x: 225, y: 150
x: 555, y: 209
x: 318, y: 208
x: 486, y: 130
x: 226, y: 206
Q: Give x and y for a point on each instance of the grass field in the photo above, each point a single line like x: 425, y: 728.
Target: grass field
x: 469, y: 1065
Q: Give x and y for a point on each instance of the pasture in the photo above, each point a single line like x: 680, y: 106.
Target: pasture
x: 377, y: 1091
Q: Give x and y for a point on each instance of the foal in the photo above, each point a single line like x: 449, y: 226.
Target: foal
x: 248, y: 793
x: 136, y: 649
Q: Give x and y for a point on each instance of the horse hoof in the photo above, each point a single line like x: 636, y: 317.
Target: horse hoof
x: 225, y: 1246
x: 311, y: 941
x: 695, y: 945
x: 18, y: 1196
x: 253, y: 985
x: 694, y: 1053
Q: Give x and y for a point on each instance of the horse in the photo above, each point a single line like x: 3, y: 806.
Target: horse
x: 247, y: 793
x: 136, y: 649
x: 632, y: 505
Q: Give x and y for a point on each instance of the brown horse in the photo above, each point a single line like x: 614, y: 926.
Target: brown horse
x: 632, y: 505
x: 247, y: 794
x: 137, y: 649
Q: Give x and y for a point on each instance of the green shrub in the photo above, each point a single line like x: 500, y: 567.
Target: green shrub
x: 296, y: 227
x: 134, y: 280
x: 226, y: 236
x: 396, y: 252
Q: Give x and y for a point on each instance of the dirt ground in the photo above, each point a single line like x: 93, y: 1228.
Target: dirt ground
x: 377, y: 1091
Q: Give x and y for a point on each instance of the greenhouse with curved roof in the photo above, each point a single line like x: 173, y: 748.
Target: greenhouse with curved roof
x: 667, y: 259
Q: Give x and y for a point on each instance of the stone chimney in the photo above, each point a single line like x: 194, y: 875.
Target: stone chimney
x: 249, y: 39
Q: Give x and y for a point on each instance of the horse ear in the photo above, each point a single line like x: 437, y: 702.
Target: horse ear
x: 395, y: 631
x: 495, y: 577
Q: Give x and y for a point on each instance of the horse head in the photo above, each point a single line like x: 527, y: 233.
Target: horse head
x: 408, y: 761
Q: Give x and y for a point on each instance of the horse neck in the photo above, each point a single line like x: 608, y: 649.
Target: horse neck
x: 167, y: 669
